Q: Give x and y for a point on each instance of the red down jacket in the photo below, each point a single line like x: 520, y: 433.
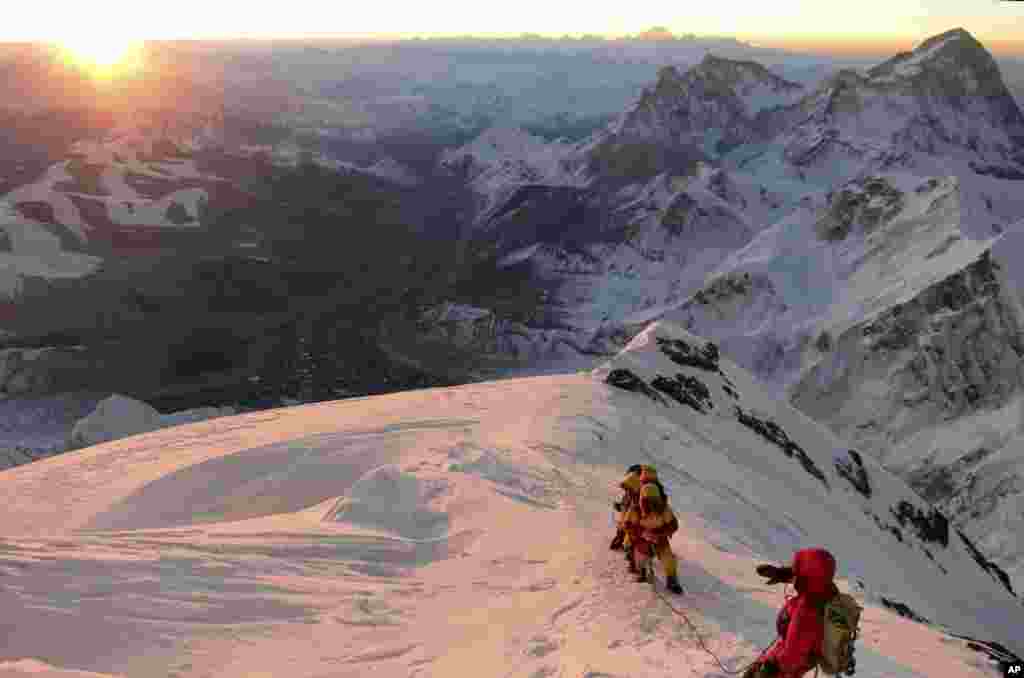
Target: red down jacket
x: 799, y: 622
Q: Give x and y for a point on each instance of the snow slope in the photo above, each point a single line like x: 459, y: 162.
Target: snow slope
x: 448, y: 531
x: 827, y: 266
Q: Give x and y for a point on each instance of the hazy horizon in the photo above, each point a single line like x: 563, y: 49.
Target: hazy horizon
x: 798, y: 25
x: 808, y: 45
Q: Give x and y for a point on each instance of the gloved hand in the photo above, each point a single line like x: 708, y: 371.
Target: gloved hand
x: 775, y: 575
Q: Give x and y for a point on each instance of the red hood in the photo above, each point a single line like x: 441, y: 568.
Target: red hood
x: 813, y: 570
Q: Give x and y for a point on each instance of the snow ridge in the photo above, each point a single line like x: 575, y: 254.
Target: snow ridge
x: 391, y: 522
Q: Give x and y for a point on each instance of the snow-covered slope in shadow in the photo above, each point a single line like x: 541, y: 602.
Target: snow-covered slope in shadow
x: 421, y: 533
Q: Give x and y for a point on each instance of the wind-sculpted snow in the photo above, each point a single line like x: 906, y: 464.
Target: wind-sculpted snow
x: 422, y: 532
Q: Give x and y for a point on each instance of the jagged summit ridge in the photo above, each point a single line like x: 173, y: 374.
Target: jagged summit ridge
x: 714, y: 106
x: 951, y: 64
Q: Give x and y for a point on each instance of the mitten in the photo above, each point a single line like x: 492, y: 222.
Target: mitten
x: 775, y: 575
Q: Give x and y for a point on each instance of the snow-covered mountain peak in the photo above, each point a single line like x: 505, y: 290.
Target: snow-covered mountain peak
x: 718, y: 78
x: 741, y: 75
x: 953, y: 63
x: 941, y: 109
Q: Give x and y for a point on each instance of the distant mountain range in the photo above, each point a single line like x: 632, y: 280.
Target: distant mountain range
x: 836, y: 238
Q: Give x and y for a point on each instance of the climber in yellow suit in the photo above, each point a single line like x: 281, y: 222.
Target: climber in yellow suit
x: 631, y: 495
x: 650, y: 524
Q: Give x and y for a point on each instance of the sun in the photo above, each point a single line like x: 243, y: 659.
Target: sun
x: 103, y: 56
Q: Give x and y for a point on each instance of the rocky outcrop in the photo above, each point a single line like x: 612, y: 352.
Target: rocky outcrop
x: 120, y: 416
x: 869, y: 203
x: 116, y: 417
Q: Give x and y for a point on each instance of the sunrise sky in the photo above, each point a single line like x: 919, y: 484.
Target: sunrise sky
x: 869, y: 26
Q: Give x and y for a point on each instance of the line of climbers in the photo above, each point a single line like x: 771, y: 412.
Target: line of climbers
x: 646, y: 524
x: 816, y: 627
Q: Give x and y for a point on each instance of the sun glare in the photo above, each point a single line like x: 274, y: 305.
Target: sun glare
x: 102, y: 56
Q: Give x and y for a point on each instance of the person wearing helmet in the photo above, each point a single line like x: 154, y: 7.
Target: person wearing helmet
x: 650, y: 526
x: 631, y: 492
x: 799, y: 623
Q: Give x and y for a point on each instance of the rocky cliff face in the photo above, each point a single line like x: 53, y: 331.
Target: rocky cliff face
x: 952, y: 349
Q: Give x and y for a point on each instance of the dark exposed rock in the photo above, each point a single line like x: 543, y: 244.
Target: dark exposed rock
x: 627, y: 380
x: 177, y: 214
x: 931, y: 557
x: 870, y: 202
x: 773, y: 433
x: 994, y: 570
x: 681, y: 353
x: 996, y: 652
x: 932, y: 527
x: 997, y: 171
x: 686, y: 390
x: 855, y: 473
x: 904, y: 611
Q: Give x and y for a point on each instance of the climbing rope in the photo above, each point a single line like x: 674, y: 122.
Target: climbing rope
x: 700, y: 640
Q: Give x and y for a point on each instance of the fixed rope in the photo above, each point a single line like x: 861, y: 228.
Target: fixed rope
x: 700, y: 640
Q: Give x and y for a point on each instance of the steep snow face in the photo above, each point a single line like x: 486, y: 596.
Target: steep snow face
x: 975, y: 474
x: 831, y: 263
x: 932, y: 385
x: 428, y: 531
x: 949, y: 350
